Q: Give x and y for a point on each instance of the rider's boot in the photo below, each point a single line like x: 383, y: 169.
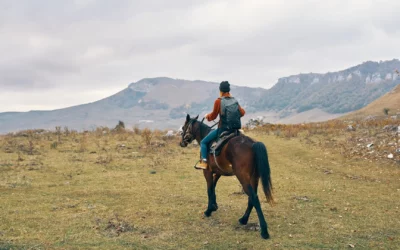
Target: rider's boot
x: 202, y: 164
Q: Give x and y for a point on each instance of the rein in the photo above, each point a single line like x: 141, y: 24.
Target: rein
x: 215, y: 124
x: 193, y: 133
x: 189, y: 130
x: 202, y: 120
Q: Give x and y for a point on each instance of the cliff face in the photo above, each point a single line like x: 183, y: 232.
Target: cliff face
x: 337, y: 92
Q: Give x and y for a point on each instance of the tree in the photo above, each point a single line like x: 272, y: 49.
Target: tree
x: 120, y: 126
x: 386, y: 111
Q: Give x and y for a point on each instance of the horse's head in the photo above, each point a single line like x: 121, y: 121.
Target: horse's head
x: 188, y: 131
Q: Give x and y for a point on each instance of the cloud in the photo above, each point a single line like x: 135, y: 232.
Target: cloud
x: 99, y: 46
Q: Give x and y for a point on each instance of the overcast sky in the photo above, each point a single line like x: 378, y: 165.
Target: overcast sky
x: 58, y: 53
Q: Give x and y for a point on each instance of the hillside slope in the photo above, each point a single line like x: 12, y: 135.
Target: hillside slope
x: 390, y: 100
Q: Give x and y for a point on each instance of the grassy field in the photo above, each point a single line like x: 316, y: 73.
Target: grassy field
x: 116, y: 191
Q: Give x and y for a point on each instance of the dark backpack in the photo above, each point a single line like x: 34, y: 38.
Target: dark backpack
x: 230, y: 114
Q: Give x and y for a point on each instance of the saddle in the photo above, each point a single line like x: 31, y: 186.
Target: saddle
x: 217, y: 145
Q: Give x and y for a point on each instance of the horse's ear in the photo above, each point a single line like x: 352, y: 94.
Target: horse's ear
x: 187, y: 117
x: 197, y: 117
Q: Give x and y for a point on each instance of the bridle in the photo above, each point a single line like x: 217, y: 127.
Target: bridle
x: 188, y: 137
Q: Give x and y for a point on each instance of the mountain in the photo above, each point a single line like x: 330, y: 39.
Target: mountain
x: 338, y: 92
x: 163, y: 102
x: 152, y: 102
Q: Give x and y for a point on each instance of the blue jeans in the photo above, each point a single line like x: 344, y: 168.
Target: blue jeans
x: 204, y: 143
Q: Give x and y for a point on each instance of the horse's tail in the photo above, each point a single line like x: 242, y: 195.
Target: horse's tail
x: 261, y: 161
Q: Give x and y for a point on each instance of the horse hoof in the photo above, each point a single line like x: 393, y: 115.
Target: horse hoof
x: 265, y: 235
x: 207, y: 213
x: 215, y: 207
x: 243, y: 221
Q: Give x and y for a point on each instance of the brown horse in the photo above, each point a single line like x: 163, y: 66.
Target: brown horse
x: 241, y: 156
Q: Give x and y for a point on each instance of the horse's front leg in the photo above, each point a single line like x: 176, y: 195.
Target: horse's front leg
x: 215, y: 180
x: 211, y: 193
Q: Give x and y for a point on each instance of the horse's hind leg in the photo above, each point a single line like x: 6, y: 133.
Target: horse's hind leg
x: 257, y: 205
x: 211, y: 193
x: 245, y: 218
x: 252, y: 193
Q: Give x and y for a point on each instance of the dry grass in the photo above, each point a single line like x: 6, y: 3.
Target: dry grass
x: 336, y: 136
x: 105, y: 190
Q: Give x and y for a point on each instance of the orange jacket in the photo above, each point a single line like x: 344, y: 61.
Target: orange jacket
x: 217, y: 109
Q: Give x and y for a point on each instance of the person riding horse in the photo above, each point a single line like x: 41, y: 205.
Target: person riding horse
x: 241, y: 156
x: 230, y: 112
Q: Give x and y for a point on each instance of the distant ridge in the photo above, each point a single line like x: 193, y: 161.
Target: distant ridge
x: 163, y: 102
x: 337, y: 92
